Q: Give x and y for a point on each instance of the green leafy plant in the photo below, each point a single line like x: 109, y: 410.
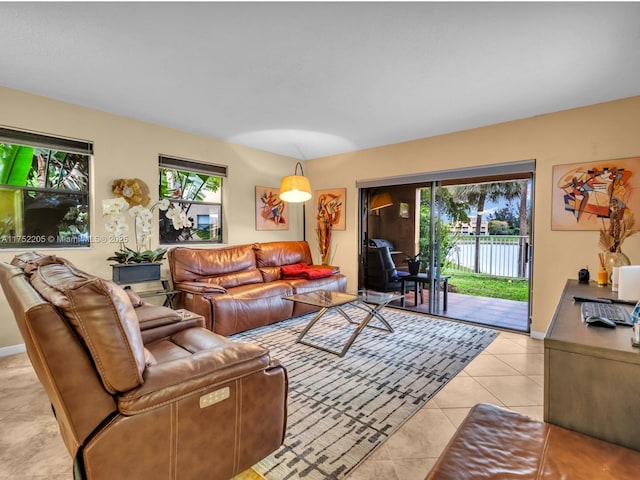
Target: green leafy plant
x: 128, y: 255
x: 418, y: 257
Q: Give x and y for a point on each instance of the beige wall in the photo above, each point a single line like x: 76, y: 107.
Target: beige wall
x: 126, y: 148
x: 598, y: 132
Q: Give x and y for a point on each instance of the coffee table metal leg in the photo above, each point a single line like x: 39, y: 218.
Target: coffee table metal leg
x: 311, y: 324
x: 372, y: 312
x: 403, y: 285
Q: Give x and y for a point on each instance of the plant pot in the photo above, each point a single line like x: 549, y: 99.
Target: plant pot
x: 414, y: 266
x: 124, y: 273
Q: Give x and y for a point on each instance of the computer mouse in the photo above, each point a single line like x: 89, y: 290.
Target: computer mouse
x: 600, y: 322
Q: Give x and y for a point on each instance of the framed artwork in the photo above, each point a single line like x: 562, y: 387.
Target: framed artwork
x: 271, y: 212
x: 330, y: 205
x: 404, y: 210
x: 585, y: 195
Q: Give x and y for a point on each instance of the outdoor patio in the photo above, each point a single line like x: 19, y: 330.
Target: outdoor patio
x: 495, y: 312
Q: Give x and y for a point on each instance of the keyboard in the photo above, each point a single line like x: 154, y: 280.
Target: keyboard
x: 607, y: 310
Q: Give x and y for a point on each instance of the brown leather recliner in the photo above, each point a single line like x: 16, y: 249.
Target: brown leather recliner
x: 188, y: 404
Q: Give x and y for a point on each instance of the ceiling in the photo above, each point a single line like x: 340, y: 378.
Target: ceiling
x: 312, y: 79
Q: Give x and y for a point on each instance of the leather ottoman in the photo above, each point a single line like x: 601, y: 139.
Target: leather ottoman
x: 493, y: 443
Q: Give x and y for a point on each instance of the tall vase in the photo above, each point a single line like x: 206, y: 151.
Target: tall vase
x: 323, y: 231
x: 614, y: 259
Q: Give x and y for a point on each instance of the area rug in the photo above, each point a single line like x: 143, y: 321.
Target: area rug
x: 341, y: 409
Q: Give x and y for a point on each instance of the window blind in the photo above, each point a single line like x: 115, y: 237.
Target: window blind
x: 191, y: 166
x: 32, y: 139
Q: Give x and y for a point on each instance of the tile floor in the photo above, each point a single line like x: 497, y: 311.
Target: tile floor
x: 508, y: 373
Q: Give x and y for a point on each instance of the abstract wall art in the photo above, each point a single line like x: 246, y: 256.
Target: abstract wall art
x: 586, y: 195
x: 271, y: 212
x: 330, y: 206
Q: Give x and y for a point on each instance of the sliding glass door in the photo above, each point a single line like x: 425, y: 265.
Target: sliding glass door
x: 473, y: 236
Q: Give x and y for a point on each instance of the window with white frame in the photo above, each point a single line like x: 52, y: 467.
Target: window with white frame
x: 44, y: 190
x: 196, y: 188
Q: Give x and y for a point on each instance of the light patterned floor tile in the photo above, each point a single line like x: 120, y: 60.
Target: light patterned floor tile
x: 465, y: 392
x: 489, y: 365
x: 524, y: 363
x: 513, y: 391
x: 424, y: 436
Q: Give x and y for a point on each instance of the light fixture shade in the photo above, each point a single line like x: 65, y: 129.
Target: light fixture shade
x: 380, y: 200
x: 295, y: 189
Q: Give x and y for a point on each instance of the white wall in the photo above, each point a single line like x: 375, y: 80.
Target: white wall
x: 598, y: 132
x: 126, y: 148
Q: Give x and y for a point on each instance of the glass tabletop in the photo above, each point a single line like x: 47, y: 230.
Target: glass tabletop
x: 323, y: 298
x: 376, y: 298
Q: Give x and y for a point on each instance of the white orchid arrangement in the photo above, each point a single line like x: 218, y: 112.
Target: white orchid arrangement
x: 117, y: 226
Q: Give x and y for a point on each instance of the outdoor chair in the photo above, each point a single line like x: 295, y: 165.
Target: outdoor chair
x: 381, y: 272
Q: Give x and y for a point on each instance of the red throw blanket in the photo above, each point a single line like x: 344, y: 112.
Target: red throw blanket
x: 302, y: 270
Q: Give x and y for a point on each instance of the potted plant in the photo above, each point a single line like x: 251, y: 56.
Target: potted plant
x: 414, y: 263
x: 140, y: 264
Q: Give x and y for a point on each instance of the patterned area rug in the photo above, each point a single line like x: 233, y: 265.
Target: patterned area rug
x: 341, y: 409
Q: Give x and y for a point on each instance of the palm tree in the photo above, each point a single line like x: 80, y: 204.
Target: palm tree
x: 523, y: 225
x: 477, y: 194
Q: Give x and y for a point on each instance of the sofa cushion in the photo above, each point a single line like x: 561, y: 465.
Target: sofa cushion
x: 196, y: 264
x: 102, y: 315
x: 151, y: 316
x: 270, y: 256
x: 235, y: 279
x: 251, y: 306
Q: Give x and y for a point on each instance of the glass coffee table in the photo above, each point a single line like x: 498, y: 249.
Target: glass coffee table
x: 369, y: 301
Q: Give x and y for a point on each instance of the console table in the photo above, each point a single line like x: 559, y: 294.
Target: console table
x: 591, y: 374
x: 166, y: 291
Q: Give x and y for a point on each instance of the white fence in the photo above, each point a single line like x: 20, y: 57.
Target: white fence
x: 501, y: 256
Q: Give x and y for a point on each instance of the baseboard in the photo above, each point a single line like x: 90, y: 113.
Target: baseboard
x: 537, y: 335
x: 12, y: 350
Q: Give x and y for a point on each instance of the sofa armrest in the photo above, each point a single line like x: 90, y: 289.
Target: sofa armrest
x: 163, y: 331
x: 199, y: 287
x: 214, y: 360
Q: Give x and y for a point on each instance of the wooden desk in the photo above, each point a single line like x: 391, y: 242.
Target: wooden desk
x: 591, y: 374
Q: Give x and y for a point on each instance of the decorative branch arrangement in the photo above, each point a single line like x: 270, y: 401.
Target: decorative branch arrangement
x: 620, y: 228
x: 323, y: 231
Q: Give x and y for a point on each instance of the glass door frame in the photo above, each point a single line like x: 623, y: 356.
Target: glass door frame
x: 520, y: 169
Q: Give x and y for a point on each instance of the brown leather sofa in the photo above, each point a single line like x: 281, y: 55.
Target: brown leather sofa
x: 179, y: 402
x: 494, y: 443
x: 241, y: 287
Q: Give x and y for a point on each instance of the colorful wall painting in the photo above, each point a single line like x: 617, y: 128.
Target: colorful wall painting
x: 330, y: 205
x: 585, y: 194
x: 271, y: 212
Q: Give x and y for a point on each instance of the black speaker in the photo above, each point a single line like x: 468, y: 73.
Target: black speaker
x: 583, y: 275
